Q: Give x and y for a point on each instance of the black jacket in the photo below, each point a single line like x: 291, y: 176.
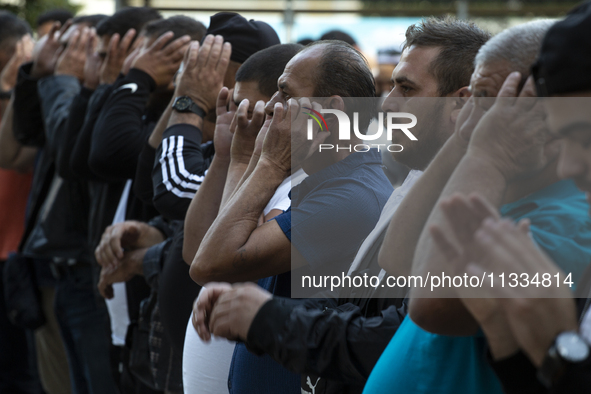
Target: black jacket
x: 517, y: 374
x: 58, y: 219
x: 341, y: 344
x: 179, y: 169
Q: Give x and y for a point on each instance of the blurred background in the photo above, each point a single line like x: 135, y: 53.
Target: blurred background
x: 376, y: 26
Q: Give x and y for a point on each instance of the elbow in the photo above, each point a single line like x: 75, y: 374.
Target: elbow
x: 423, y: 313
x: 442, y: 316
x: 393, y: 263
x: 200, y: 273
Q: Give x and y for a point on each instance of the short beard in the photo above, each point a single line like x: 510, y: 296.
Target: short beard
x: 417, y: 155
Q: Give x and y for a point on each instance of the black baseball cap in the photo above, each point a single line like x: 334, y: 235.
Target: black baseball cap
x: 246, y: 36
x: 564, y: 63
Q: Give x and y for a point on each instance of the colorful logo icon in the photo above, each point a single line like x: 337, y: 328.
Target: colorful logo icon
x: 315, y: 115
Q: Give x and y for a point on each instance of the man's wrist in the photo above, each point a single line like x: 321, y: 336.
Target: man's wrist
x: 490, y: 167
x: 197, y: 99
x: 5, y: 94
x: 185, y: 118
x: 270, y: 166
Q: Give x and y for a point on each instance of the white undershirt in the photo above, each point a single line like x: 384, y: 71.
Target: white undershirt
x: 206, y: 365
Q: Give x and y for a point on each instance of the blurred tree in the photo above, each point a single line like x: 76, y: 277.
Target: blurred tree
x: 31, y: 9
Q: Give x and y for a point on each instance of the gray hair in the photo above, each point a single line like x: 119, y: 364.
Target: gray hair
x: 518, y: 45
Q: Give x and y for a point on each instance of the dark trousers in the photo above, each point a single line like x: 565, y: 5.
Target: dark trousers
x: 17, y: 361
x: 84, y: 325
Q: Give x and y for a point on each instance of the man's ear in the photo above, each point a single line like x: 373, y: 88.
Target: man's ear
x: 460, y: 98
x: 336, y: 102
x: 333, y: 102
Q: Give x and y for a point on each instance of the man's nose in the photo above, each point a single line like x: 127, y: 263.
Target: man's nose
x: 391, y: 103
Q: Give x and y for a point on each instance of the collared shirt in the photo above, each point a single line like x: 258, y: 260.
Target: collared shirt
x: 417, y: 361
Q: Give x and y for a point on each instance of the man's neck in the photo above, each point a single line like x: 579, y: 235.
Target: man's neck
x: 524, y: 187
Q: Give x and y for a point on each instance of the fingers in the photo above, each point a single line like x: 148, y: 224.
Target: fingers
x: 127, y: 40
x: 232, y: 107
x: 104, y: 286
x: 258, y: 115
x: 203, y: 307
x: 204, y: 51
x: 278, y: 113
x: 64, y: 28
x: 483, y: 207
x: 508, y: 92
x: 213, y: 54
x: 523, y: 226
x: 161, y: 41
x: 191, y: 55
x: 224, y: 61
x: 221, y: 321
x: 462, y: 218
x: 176, y: 45
x: 113, y: 44
x: 529, y: 89
x: 82, y: 40
x: 242, y: 114
x: 199, y: 325
x: 51, y: 36
x: 222, y: 100
x: 115, y: 243
x: 91, y: 44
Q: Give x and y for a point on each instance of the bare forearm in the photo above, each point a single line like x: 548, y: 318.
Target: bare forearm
x: 235, y: 179
x: 223, y: 244
x: 204, y: 207
x: 156, y: 136
x: 397, y: 251
x: 239, y: 174
x: 184, y: 117
x: 445, y: 314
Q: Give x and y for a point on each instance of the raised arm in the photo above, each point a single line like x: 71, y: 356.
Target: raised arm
x: 490, y: 164
x: 222, y: 174
x: 250, y: 251
x: 179, y: 168
x: 398, y: 250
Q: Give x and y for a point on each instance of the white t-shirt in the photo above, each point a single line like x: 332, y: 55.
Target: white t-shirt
x: 117, y: 306
x: 206, y: 365
x: 280, y: 199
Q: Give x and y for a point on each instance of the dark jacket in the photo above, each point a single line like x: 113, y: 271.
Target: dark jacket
x: 340, y: 344
x: 179, y: 169
x: 517, y: 374
x: 57, y: 221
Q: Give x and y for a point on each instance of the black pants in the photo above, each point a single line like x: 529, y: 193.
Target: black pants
x: 17, y: 354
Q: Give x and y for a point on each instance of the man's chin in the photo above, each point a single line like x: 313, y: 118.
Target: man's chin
x: 408, y: 158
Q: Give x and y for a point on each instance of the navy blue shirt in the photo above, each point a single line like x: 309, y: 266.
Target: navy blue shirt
x: 332, y: 212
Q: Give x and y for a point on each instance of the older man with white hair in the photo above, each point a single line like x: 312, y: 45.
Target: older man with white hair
x: 512, y: 161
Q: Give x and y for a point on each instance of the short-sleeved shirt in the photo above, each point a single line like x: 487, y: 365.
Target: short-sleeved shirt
x: 347, y: 198
x: 334, y: 209
x: 417, y: 361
